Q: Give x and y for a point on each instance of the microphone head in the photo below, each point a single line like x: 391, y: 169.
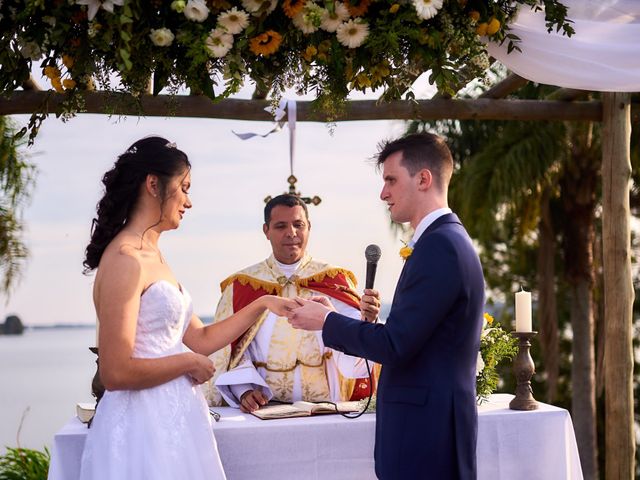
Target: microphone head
x: 372, y: 253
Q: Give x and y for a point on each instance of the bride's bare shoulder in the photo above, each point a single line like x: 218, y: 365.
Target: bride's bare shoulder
x: 123, y: 248
x: 121, y: 259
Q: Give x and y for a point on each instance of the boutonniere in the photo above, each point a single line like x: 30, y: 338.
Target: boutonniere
x: 406, y: 251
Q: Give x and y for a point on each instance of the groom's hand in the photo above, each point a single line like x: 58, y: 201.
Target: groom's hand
x: 310, y: 315
x: 370, y: 305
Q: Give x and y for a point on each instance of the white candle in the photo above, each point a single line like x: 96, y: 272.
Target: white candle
x: 97, y: 331
x: 523, y: 311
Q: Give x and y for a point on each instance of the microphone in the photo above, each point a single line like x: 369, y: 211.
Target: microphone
x: 372, y: 254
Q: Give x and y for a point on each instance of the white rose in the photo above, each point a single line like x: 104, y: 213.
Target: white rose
x: 162, y: 37
x: 479, y: 364
x: 196, y: 10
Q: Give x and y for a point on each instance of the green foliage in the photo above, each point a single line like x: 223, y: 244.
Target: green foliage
x: 16, y: 183
x: 81, y: 47
x: 24, y: 464
x: 496, y: 345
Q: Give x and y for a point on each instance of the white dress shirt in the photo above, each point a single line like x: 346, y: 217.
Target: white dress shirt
x: 425, y: 222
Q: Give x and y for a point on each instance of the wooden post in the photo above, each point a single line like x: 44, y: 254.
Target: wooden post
x: 618, y: 287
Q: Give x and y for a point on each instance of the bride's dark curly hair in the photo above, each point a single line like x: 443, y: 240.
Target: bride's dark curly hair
x: 148, y: 156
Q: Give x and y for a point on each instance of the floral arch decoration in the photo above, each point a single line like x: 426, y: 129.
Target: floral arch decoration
x: 325, y: 47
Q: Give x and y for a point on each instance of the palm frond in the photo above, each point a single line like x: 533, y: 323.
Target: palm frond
x: 507, y: 175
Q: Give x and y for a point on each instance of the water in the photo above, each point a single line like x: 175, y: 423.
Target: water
x: 48, y: 371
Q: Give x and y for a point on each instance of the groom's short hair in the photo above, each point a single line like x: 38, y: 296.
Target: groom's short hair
x: 286, y: 199
x: 420, y: 150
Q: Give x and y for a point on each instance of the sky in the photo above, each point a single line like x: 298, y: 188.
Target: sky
x: 222, y: 233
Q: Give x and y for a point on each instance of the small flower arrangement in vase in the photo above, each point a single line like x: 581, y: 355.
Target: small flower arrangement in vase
x: 495, y: 346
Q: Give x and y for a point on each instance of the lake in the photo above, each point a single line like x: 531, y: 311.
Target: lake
x: 44, y: 372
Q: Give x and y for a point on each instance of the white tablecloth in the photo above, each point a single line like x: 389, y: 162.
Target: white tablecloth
x: 511, y: 444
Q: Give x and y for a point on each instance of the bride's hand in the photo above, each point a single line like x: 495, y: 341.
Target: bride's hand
x: 202, y: 368
x: 280, y: 306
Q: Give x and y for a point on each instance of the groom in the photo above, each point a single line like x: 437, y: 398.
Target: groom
x: 426, y: 423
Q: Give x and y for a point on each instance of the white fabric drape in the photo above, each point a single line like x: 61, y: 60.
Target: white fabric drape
x: 603, y: 54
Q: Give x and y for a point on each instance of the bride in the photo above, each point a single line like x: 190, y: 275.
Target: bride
x: 153, y: 421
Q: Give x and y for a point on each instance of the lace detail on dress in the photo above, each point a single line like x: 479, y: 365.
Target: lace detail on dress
x: 163, y: 432
x: 162, y: 320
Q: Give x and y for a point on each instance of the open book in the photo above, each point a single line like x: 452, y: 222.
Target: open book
x: 304, y: 409
x: 85, y: 411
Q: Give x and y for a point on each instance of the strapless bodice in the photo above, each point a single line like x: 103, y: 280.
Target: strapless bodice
x: 165, y: 312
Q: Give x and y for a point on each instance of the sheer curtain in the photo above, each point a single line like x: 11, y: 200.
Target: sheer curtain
x: 603, y: 54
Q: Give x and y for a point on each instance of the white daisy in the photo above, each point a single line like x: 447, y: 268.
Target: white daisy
x: 234, y: 20
x: 161, y: 37
x: 331, y: 21
x: 352, y: 33
x: 427, y: 9
x: 196, y: 10
x: 219, y: 43
x: 94, y: 5
x: 254, y: 6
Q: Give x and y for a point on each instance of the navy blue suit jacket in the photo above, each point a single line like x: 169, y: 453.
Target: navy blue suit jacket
x: 426, y: 418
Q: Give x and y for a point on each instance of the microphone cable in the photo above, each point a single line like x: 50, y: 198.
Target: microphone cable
x: 351, y: 415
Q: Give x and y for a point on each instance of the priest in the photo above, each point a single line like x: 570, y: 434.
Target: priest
x: 272, y: 360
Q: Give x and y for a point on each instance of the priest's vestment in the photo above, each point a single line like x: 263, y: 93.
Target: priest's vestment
x: 286, y: 364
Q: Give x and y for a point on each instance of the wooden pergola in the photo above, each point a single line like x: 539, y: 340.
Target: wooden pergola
x: 616, y: 113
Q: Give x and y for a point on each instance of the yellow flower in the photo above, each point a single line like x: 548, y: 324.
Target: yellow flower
x: 292, y: 7
x: 67, y: 61
x: 57, y: 84
x: 309, y: 53
x: 394, y: 8
x: 52, y: 72
x: 69, y: 83
x: 357, y: 8
x: 379, y: 71
x: 362, y: 81
x: 494, y: 26
x: 406, y: 251
x: 266, y: 43
x: 488, y: 318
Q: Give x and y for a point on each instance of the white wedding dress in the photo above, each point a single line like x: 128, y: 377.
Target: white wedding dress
x: 158, y: 433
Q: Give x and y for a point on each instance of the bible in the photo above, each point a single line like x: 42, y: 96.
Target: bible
x: 304, y: 409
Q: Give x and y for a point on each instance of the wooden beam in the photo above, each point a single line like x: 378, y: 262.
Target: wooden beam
x: 26, y: 102
x: 618, y: 287
x: 509, y: 85
x: 567, y: 94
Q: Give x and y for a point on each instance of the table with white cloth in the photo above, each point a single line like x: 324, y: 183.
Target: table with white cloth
x: 533, y: 445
